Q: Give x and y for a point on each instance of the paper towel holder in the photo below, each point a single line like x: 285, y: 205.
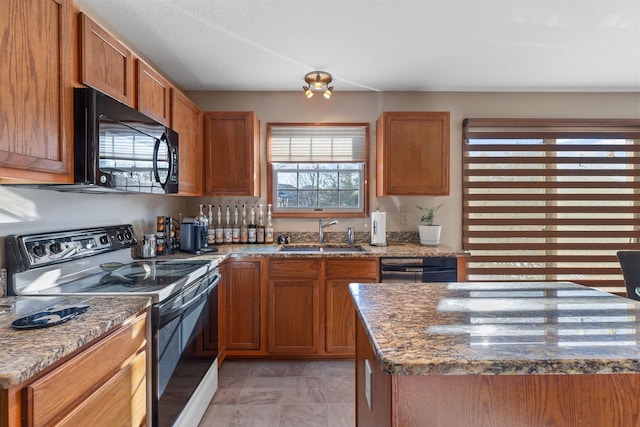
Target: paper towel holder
x: 378, y: 228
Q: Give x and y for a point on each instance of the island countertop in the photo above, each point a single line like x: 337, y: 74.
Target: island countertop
x: 499, y: 328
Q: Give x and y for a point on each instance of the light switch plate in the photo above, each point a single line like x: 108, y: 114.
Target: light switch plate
x: 404, y: 218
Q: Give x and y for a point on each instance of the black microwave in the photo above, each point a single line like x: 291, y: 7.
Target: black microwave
x: 118, y: 148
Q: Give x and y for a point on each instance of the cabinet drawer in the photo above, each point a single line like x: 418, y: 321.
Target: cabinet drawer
x: 121, y: 401
x: 352, y: 268
x: 51, y: 395
x: 295, y: 267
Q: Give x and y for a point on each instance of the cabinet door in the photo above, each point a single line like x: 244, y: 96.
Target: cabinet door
x: 36, y: 96
x: 242, y: 293
x: 293, y: 306
x: 340, y: 311
x: 107, y: 64
x: 121, y: 401
x: 153, y: 94
x: 294, y: 316
x: 232, y: 154
x: 186, y: 119
x: 413, y: 154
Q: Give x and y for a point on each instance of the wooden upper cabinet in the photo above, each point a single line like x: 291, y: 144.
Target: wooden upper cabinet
x: 36, y: 94
x: 153, y: 93
x: 413, y: 154
x: 107, y: 64
x: 232, y: 154
x: 186, y: 119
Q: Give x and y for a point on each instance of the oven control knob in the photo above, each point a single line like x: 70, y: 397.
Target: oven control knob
x: 128, y: 235
x: 104, y: 239
x: 120, y: 237
x: 39, y: 250
x: 55, y: 248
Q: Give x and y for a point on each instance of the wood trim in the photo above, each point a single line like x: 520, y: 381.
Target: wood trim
x: 10, y: 407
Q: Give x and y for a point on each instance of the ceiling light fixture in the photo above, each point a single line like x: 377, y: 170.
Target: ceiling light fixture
x: 318, y: 81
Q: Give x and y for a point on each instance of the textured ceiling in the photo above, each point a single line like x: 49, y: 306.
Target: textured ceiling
x: 385, y: 45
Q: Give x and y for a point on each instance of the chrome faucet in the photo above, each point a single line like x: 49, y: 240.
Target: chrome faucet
x: 321, y: 227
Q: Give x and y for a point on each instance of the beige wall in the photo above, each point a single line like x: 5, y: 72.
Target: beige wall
x: 367, y: 106
x: 27, y: 210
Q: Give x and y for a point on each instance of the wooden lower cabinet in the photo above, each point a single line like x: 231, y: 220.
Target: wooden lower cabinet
x: 104, y: 384
x: 241, y: 282
x: 293, y: 306
x: 309, y: 308
x: 122, y: 398
x: 340, y: 317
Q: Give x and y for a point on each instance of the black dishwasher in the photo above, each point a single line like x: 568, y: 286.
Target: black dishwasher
x: 418, y: 269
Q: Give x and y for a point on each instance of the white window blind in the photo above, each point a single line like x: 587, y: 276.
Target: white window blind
x: 550, y: 199
x: 321, y: 143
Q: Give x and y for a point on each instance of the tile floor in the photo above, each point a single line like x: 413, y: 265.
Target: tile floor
x: 267, y: 393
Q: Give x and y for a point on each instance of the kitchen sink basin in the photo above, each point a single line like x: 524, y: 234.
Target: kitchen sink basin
x: 320, y: 249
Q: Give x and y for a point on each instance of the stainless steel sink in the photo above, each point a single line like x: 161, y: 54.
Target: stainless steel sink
x: 321, y: 248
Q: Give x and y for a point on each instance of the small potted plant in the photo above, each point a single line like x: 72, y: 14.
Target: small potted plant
x: 429, y: 233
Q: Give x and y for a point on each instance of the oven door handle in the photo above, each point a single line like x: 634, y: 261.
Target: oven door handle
x: 172, y: 313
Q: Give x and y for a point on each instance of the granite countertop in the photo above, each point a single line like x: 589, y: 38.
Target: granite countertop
x: 499, y: 328
x: 273, y: 250
x: 27, y: 352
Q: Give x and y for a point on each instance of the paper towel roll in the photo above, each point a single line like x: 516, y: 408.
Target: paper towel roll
x: 379, y: 228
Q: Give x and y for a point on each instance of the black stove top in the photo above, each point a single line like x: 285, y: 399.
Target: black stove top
x: 146, y: 276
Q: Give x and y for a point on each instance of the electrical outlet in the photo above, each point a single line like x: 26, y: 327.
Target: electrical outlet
x: 404, y: 218
x: 367, y: 382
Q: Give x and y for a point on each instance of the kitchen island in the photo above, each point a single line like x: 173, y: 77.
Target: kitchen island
x: 495, y: 354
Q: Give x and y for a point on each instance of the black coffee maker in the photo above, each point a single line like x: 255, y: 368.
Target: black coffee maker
x: 193, y: 237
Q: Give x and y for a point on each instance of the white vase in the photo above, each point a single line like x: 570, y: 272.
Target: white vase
x: 429, y: 234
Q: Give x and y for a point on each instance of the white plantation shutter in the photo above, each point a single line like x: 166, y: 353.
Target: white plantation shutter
x: 550, y: 199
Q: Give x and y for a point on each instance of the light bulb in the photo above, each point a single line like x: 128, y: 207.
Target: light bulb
x: 328, y: 92
x: 307, y: 91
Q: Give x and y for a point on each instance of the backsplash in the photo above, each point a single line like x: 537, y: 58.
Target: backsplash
x: 3, y: 282
x: 335, y: 237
